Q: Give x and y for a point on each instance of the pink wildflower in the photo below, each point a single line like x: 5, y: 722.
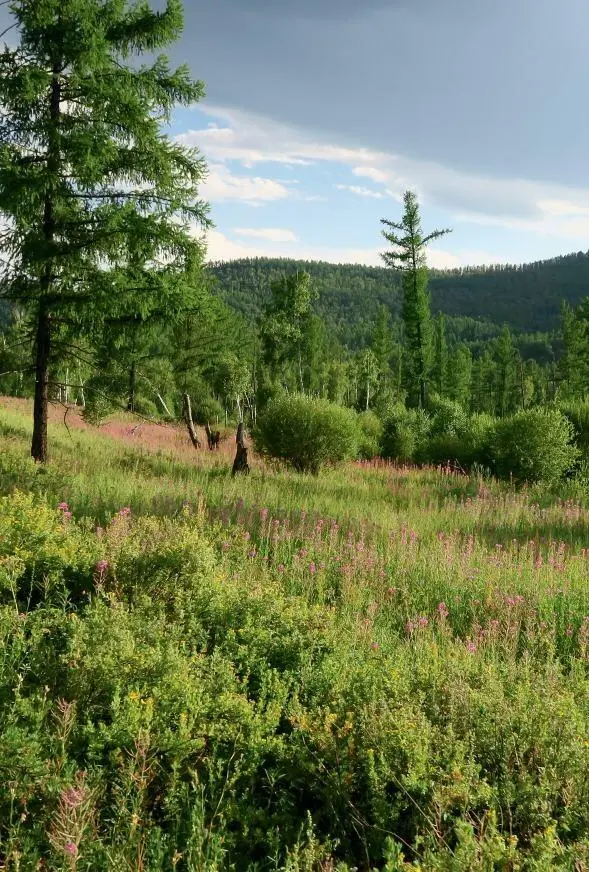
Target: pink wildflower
x: 470, y: 646
x: 63, y: 507
x: 280, y: 567
x: 312, y: 568
x: 71, y: 849
x: 442, y: 610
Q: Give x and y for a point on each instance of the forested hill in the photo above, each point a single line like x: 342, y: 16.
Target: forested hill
x: 526, y: 297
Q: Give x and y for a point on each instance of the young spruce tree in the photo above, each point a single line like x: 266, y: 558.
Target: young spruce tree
x: 89, y: 184
x: 409, y: 256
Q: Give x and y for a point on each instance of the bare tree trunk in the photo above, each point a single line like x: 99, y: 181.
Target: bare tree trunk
x: 190, y: 423
x: 162, y: 401
x: 40, y: 410
x: 82, y: 394
x: 240, y: 464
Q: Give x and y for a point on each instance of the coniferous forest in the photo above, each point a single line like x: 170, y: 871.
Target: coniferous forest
x: 293, y: 555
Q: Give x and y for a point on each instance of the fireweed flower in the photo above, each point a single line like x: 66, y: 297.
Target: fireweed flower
x: 442, y: 610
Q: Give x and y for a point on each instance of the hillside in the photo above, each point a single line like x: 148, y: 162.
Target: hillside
x: 526, y: 297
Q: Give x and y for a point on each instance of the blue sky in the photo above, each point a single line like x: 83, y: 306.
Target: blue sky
x: 279, y: 190
x: 319, y: 113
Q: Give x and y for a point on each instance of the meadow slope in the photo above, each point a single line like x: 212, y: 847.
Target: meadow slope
x: 380, y: 668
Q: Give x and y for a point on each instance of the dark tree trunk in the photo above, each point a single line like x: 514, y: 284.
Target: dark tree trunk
x: 213, y: 437
x: 42, y: 350
x: 240, y: 463
x: 132, y: 386
x: 190, y: 423
x: 43, y: 337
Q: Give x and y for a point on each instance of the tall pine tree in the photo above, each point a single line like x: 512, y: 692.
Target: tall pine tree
x: 408, y: 254
x: 89, y: 185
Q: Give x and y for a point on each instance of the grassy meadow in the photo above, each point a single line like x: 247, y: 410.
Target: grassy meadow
x: 378, y: 668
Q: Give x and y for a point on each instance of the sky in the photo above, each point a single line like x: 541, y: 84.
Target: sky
x: 320, y: 113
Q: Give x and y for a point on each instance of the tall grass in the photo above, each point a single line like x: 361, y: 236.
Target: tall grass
x: 377, y: 668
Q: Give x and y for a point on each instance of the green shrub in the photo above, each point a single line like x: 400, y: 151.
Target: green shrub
x: 448, y: 418
x: 405, y: 433
x: 533, y: 445
x: 371, y: 430
x: 578, y: 415
x: 463, y: 442
x: 307, y: 433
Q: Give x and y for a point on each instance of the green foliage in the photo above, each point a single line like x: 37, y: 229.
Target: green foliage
x: 477, y: 301
x: 97, y: 222
x: 405, y: 433
x: 307, y: 433
x: 408, y: 254
x: 578, y: 414
x: 280, y: 691
x: 448, y: 418
x: 371, y: 430
x: 285, y: 326
x: 533, y: 445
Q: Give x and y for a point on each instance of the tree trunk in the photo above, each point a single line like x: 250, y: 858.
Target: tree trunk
x: 132, y: 387
x: 40, y: 411
x: 190, y: 423
x: 240, y: 464
x: 43, y: 337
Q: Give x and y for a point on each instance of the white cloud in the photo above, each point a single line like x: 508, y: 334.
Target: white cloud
x: 361, y: 191
x: 271, y: 234
x: 371, y: 173
x: 522, y: 204
x: 252, y: 139
x: 220, y: 247
x: 221, y: 184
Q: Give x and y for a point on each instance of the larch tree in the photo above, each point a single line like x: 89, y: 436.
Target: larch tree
x: 408, y: 254
x: 440, y: 373
x: 285, y: 325
x: 100, y: 206
x: 574, y: 364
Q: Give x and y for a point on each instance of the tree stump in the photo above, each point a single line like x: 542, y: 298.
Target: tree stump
x: 240, y: 463
x: 213, y: 437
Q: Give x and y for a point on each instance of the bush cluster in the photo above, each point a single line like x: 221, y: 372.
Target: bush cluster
x: 308, y: 433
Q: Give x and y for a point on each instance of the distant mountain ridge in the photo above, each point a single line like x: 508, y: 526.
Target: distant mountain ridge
x: 527, y: 297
